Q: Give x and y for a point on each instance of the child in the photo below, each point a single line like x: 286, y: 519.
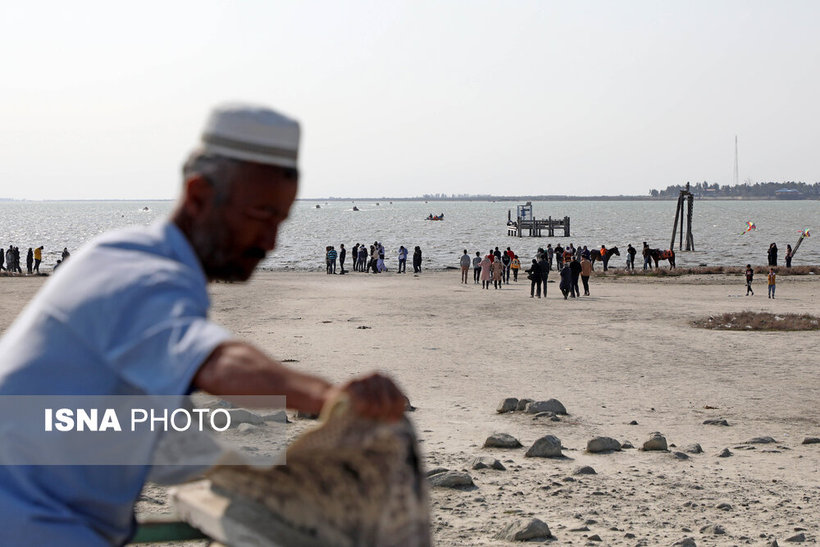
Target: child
x: 772, y: 282
x: 749, y: 275
x: 515, y: 266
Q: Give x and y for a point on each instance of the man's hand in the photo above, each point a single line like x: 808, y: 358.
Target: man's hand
x: 374, y: 396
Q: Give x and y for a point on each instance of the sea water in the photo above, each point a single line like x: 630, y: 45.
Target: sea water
x: 717, y: 227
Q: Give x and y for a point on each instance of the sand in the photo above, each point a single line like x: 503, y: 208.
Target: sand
x: 626, y: 353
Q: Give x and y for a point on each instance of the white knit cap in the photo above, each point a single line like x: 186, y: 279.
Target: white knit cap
x: 252, y: 133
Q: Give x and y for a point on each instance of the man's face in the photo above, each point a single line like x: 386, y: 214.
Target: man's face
x: 235, y: 234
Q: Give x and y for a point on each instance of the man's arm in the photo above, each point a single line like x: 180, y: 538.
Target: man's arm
x: 237, y: 368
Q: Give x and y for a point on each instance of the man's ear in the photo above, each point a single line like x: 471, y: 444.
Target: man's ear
x: 199, y: 194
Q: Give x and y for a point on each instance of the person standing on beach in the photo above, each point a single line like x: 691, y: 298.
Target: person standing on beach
x: 534, y: 275
x: 586, y: 271
x: 354, y: 257
x: 477, y: 268
x: 550, y: 252
x: 543, y: 267
x: 506, y: 260
x: 772, y: 254
x: 647, y: 257
x: 417, y: 260
x: 486, y: 273
x: 342, y: 255
x: 566, y: 282
x: 362, y: 258
x: 331, y: 260
x: 402, y: 260
x: 630, y: 257
x: 559, y: 257
x: 788, y: 256
x: 498, y: 273
x: 772, y: 281
x: 29, y: 261
x: 575, y: 270
x: 515, y: 265
x: 38, y: 258
x: 465, y: 266
x: 148, y: 332
x: 750, y: 274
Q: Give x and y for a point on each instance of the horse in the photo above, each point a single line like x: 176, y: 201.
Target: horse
x: 595, y: 254
x: 657, y: 254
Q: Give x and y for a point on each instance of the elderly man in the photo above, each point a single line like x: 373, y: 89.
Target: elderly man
x: 139, y: 326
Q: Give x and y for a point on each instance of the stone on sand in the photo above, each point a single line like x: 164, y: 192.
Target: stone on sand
x: 451, y: 479
x: 811, y: 440
x: 761, y: 440
x: 725, y: 453
x: 656, y: 441
x: 501, y: 440
x: 685, y: 542
x: 602, y: 444
x: 693, y: 449
x: 548, y: 446
x: 713, y: 529
x: 487, y: 462
x: 525, y: 530
x: 507, y: 405
x: 584, y: 470
x: 716, y: 421
x: 522, y: 404
x: 550, y: 405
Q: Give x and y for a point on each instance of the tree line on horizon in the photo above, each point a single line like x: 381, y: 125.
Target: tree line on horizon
x: 747, y: 190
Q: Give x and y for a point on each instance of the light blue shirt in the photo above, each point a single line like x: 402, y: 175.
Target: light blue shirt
x: 126, y: 315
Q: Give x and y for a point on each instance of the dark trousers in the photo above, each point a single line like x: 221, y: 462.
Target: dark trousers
x: 535, y: 288
x: 574, y: 289
x: 515, y: 274
x: 476, y: 275
x: 585, y: 279
x: 342, y: 265
x: 544, y: 283
x: 416, y: 267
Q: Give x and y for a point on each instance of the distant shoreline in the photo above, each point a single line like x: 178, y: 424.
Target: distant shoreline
x: 554, y: 198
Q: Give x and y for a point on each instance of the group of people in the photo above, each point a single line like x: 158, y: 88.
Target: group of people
x: 10, y: 260
x: 375, y: 263
x: 494, y: 268
x: 771, y: 280
x: 771, y: 255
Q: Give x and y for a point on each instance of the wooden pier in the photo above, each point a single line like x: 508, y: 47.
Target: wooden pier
x: 525, y: 224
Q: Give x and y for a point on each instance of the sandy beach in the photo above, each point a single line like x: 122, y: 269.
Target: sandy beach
x: 626, y: 354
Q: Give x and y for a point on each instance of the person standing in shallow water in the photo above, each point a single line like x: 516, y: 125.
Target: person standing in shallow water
x: 417, y: 260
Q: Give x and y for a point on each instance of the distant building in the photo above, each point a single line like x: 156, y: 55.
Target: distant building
x: 788, y: 193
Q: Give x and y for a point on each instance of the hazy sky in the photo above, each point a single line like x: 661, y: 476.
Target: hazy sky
x: 104, y: 99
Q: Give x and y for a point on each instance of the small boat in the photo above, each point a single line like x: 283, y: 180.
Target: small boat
x: 145, y: 209
x: 355, y: 208
x: 317, y: 206
x: 435, y: 217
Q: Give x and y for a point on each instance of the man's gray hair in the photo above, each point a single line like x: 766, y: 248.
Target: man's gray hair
x: 219, y: 171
